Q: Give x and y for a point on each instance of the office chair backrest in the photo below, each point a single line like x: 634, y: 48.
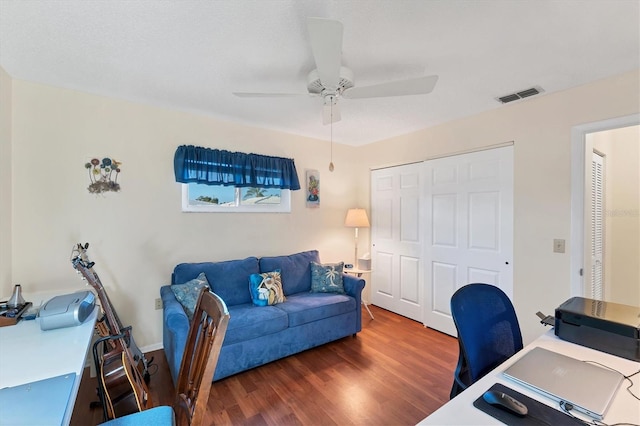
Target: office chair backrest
x: 202, y: 349
x: 488, y: 329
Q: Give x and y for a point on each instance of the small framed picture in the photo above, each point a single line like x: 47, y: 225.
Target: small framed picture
x: 313, y: 189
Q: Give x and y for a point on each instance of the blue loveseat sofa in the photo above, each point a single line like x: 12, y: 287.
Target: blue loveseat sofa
x: 257, y: 335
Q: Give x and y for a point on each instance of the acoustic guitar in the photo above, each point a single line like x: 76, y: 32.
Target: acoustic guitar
x: 122, y: 374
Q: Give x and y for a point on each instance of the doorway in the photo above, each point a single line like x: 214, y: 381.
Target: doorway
x: 619, y: 141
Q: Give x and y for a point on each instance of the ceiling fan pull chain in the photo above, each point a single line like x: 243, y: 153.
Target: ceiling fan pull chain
x: 331, y: 125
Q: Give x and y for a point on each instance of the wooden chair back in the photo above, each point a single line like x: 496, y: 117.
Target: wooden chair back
x: 201, y: 353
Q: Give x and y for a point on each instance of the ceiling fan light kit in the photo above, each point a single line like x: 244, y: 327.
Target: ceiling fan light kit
x: 330, y: 110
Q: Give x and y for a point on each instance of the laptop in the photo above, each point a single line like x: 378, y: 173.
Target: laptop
x: 37, y: 403
x: 589, y: 388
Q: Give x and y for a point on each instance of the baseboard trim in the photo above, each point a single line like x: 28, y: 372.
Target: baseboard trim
x: 152, y: 347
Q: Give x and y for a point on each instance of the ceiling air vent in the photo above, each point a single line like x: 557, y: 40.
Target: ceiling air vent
x: 508, y: 98
x: 520, y: 95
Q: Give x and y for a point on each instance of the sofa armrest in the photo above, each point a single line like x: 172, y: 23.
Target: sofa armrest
x: 175, y: 329
x: 173, y: 313
x: 353, y: 285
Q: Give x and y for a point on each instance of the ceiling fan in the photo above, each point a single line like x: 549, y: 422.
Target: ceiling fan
x: 332, y: 81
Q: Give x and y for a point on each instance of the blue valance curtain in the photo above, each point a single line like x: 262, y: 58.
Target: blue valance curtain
x: 220, y: 167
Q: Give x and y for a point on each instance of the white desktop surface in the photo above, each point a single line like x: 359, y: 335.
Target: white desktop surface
x: 28, y: 354
x: 623, y: 409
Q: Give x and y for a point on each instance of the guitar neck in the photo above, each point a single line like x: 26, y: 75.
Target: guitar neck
x: 107, y: 306
x: 83, y: 266
x: 112, y: 318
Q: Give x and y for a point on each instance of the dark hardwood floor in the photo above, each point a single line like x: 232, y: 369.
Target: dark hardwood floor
x: 395, y: 372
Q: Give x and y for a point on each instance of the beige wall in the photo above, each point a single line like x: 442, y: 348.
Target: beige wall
x: 138, y: 235
x: 540, y: 129
x: 624, y: 218
x: 622, y: 213
x: 5, y: 182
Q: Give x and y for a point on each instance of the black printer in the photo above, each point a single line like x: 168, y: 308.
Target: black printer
x: 605, y: 326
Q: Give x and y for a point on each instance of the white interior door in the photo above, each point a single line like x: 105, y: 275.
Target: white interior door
x: 397, y: 240
x: 469, y: 212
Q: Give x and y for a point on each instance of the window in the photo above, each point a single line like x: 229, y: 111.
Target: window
x: 222, y: 181
x: 218, y: 198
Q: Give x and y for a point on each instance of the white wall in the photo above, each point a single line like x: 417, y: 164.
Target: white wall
x: 540, y: 128
x: 139, y: 234
x: 5, y: 182
x: 622, y: 212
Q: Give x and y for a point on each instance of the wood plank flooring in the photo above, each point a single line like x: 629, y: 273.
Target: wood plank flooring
x: 395, y: 372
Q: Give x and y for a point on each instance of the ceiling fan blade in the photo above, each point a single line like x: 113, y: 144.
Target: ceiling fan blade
x: 327, y: 114
x: 326, y: 45
x: 269, y: 95
x: 414, y: 86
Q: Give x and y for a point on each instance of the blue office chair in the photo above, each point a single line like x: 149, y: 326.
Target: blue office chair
x: 198, y: 364
x: 488, y: 332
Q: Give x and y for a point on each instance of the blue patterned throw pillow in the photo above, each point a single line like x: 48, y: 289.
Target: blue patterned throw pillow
x: 327, y: 278
x: 187, y: 293
x: 266, y: 288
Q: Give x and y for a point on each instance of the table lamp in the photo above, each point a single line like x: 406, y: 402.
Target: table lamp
x: 356, y: 218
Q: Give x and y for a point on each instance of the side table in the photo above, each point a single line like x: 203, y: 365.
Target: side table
x: 358, y: 273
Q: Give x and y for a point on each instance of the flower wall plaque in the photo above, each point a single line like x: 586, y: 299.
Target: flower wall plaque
x: 103, y: 175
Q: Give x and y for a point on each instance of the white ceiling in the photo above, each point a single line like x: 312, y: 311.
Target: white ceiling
x: 191, y: 55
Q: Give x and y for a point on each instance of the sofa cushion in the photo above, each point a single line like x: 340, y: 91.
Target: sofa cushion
x: 266, y: 288
x: 295, y: 270
x: 305, y: 307
x: 227, y: 279
x: 187, y: 293
x: 248, y: 322
x: 327, y: 278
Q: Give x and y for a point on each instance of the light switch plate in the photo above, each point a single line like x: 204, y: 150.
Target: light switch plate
x: 558, y: 246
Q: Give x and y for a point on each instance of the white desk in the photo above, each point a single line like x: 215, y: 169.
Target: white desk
x: 623, y: 409
x: 28, y: 354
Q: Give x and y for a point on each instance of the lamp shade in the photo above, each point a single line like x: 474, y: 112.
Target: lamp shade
x: 356, y: 218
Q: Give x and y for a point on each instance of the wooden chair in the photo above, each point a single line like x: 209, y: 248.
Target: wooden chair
x: 202, y: 349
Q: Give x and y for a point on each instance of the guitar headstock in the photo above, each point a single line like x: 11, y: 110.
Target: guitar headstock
x: 79, y: 256
x: 82, y: 264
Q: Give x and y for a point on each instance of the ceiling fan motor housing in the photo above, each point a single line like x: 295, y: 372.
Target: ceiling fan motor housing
x: 315, y: 86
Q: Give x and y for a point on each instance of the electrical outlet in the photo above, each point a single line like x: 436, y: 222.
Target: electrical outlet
x: 158, y: 303
x: 558, y: 246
